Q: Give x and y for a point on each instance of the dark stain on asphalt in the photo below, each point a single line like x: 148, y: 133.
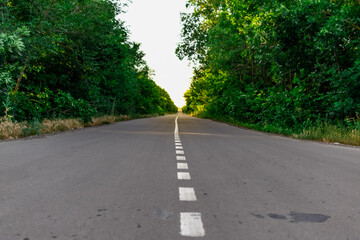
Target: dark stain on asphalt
x: 162, y: 214
x: 257, y: 215
x: 298, y: 217
x: 277, y: 216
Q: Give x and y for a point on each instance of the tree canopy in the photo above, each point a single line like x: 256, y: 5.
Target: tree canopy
x: 288, y: 63
x: 72, y: 58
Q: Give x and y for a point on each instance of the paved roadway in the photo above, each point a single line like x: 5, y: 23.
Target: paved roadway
x: 121, y: 182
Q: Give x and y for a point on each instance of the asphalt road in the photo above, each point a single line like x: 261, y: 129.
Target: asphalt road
x: 121, y: 182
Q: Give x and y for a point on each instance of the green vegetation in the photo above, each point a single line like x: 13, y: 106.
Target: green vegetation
x: 12, y: 129
x: 290, y: 67
x: 63, y: 59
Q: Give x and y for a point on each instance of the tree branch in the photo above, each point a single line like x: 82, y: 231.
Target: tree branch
x: 352, y: 24
x: 20, y: 78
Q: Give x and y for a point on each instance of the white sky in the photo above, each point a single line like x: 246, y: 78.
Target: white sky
x: 156, y: 25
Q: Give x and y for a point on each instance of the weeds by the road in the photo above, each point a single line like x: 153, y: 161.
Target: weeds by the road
x: 9, y: 130
x: 331, y: 133
x: 13, y: 130
x: 319, y: 131
x: 108, y: 119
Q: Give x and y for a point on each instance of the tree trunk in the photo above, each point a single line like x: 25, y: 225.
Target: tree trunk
x: 252, y: 67
x: 20, y: 78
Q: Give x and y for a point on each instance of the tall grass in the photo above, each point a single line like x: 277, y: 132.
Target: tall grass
x: 108, y: 119
x: 10, y: 130
x: 344, y: 133
x: 332, y: 133
x: 13, y: 130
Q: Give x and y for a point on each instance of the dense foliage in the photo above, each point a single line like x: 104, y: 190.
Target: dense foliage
x: 72, y: 58
x: 285, y: 63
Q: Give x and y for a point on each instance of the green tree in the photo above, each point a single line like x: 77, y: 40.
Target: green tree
x: 279, y: 62
x: 71, y: 58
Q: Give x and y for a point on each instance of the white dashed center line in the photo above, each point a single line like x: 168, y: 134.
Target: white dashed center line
x: 179, y: 152
x: 187, y: 194
x: 180, y: 158
x: 183, y: 176
x: 182, y: 166
x: 191, y: 224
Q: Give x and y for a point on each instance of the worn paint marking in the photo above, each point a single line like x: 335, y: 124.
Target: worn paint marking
x: 182, y: 166
x: 183, y: 176
x: 181, y: 158
x: 187, y: 194
x: 191, y: 224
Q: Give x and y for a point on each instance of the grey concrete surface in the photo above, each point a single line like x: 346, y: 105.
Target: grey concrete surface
x: 120, y: 182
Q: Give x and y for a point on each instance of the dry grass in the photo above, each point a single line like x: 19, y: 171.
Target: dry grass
x: 60, y: 125
x: 12, y: 130
x: 324, y: 132
x: 332, y: 133
x: 108, y: 119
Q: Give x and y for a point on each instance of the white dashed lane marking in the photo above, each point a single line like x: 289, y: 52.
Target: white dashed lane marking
x: 191, y: 224
x: 176, y: 132
x: 187, y: 194
x: 180, y: 158
x: 183, y: 176
x: 182, y: 166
